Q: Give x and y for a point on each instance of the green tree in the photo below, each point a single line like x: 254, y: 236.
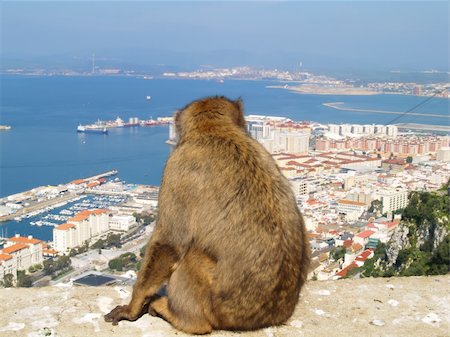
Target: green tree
x: 52, y: 266
x: 99, y: 244
x: 113, y: 240
x: 338, y: 253
x: 409, y: 159
x: 144, y: 218
x: 115, y: 264
x: 8, y: 281
x: 376, y: 207
x: 24, y: 280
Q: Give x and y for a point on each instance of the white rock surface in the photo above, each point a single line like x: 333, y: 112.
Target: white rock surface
x: 407, y: 306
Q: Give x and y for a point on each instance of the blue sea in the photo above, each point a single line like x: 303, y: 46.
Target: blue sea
x: 43, y: 147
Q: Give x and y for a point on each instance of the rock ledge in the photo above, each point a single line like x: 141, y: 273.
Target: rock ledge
x: 413, y: 306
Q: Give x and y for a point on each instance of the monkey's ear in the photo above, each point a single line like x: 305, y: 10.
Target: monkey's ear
x: 240, y: 113
x: 239, y: 104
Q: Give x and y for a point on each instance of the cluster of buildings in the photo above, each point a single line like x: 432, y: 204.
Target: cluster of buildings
x: 276, y: 134
x: 349, y: 194
x: 279, y: 134
x: 348, y: 204
x: 401, y: 145
x: 355, y: 130
x: 45, y: 198
x: 20, y: 253
x: 88, y: 225
x: 411, y: 88
x: 242, y: 73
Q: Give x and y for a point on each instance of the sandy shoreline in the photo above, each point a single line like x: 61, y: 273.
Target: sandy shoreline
x: 320, y: 90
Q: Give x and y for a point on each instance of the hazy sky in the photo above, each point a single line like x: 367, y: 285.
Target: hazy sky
x: 359, y: 34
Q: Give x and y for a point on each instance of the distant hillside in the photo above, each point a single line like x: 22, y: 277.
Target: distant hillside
x: 420, y: 245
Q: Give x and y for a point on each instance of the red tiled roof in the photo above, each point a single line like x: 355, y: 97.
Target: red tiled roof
x: 50, y: 251
x: 83, y: 215
x: 391, y: 224
x: 363, y: 256
x: 356, y: 247
x: 348, y: 243
x: 77, y: 182
x: 365, y: 234
x: 65, y: 226
x: 93, y: 184
x: 5, y: 257
x: 394, y: 161
x: 14, y: 248
x: 344, y: 271
x: 22, y: 239
x: 351, y: 202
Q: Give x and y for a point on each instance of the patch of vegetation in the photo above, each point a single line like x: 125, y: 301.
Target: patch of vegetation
x: 35, y: 268
x: 58, y: 266
x: 426, y: 211
x: 144, y: 218
x: 125, y: 261
x: 112, y: 240
x: 79, y: 250
x: 338, y: 253
x: 8, y: 281
x: 426, y: 207
x: 24, y: 280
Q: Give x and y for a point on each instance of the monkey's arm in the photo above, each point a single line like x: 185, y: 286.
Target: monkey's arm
x: 156, y: 268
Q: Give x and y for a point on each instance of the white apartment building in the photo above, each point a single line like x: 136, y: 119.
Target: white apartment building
x: 334, y: 128
x: 352, y: 209
x: 393, y: 199
x: 8, y: 265
x: 345, y: 129
x: 363, y: 129
x: 392, y: 131
x: 65, y: 237
x: 443, y: 154
x: 25, y: 251
x: 295, y: 143
x: 357, y: 129
x: 84, y: 226
x: 122, y: 223
x: 258, y: 130
x: 299, y: 186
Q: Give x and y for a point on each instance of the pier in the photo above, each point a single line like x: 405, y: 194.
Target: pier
x: 38, y: 205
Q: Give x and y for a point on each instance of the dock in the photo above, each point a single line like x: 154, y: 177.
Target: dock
x: 37, y: 205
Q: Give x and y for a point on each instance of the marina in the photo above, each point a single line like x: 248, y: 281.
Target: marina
x: 40, y: 222
x: 31, y: 203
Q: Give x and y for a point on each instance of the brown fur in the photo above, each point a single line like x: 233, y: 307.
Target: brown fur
x: 229, y: 241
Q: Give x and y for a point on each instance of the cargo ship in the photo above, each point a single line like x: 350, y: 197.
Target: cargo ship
x: 5, y: 127
x: 91, y: 129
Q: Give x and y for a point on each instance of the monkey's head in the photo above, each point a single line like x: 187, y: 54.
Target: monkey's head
x: 209, y: 112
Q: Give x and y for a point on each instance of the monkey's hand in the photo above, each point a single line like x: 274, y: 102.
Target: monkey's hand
x: 119, y: 313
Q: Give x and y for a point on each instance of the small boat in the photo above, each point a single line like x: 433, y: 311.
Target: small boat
x: 148, y: 98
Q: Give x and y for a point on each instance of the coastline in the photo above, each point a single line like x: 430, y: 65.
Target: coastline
x: 320, y: 90
x: 335, y: 105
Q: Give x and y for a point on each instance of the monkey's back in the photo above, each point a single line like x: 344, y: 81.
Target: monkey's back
x: 240, y: 210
